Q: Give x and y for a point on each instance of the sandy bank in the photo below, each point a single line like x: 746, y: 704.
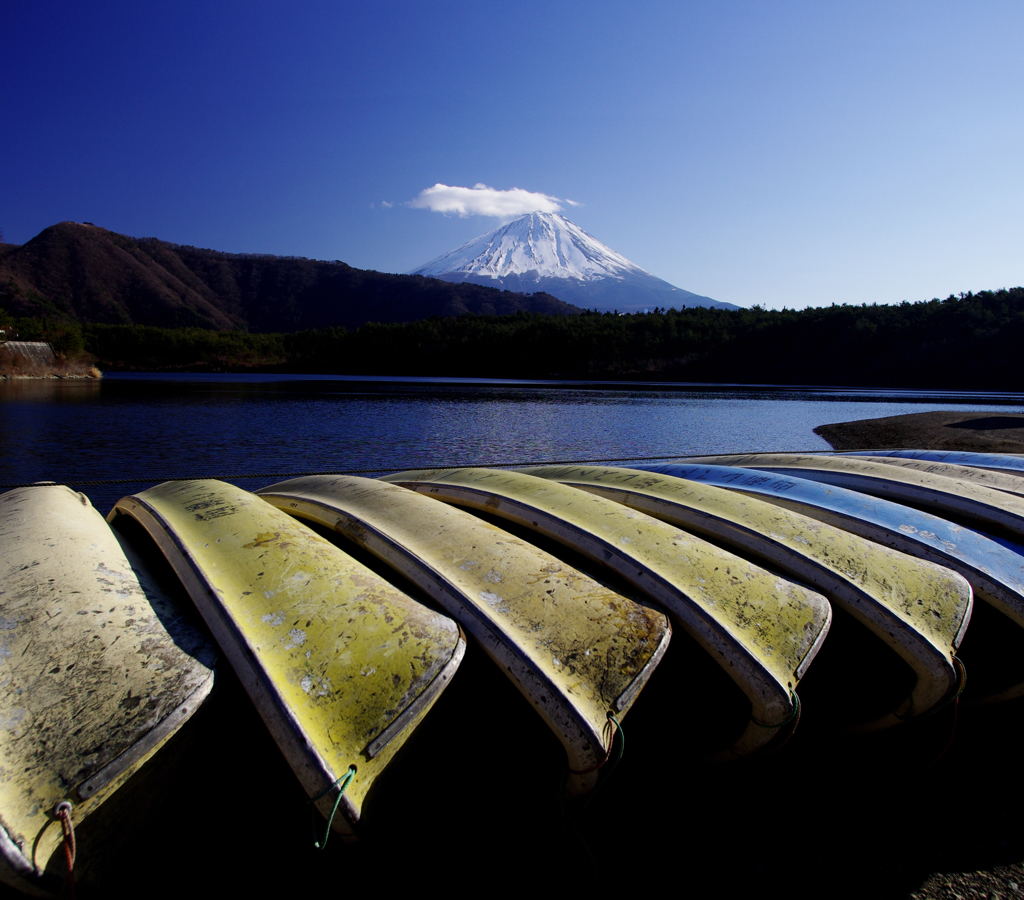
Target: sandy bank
x: 978, y: 432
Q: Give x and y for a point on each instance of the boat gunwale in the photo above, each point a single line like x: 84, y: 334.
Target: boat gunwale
x: 18, y: 871
x: 149, y: 742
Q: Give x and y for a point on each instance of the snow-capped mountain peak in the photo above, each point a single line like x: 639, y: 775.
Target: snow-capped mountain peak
x: 547, y: 244
x: 543, y: 251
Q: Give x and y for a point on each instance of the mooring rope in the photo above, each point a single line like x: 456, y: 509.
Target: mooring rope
x: 344, y: 781
x: 63, y: 812
x: 613, y: 728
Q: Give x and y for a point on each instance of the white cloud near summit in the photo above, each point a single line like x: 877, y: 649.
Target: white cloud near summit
x: 481, y: 200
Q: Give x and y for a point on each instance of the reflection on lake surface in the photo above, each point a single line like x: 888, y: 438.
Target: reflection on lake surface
x: 150, y: 427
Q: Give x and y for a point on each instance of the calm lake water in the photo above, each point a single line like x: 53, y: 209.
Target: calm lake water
x: 147, y: 428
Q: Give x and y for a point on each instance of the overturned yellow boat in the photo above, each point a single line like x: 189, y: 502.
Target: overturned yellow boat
x: 918, y: 608
x: 340, y: 664
x: 763, y: 630
x: 578, y: 651
x: 98, y: 669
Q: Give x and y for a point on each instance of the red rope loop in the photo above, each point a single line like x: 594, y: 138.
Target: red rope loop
x: 63, y: 811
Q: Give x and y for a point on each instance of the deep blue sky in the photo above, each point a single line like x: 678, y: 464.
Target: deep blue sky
x: 782, y: 153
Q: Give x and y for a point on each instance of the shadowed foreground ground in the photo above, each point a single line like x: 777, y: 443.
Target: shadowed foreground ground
x: 474, y: 802
x: 935, y: 809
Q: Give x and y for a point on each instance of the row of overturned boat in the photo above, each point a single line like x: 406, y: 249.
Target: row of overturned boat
x: 343, y: 605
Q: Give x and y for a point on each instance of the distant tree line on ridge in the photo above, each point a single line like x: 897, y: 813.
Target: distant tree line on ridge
x: 971, y: 342
x: 90, y: 275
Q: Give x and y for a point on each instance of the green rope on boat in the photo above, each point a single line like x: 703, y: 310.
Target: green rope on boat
x: 344, y: 781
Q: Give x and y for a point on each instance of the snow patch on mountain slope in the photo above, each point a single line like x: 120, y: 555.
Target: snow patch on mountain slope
x: 547, y: 244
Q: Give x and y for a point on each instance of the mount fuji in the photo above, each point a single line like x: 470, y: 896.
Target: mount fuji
x: 546, y: 252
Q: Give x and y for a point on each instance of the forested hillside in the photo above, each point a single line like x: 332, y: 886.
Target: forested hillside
x: 87, y: 274
x: 966, y: 342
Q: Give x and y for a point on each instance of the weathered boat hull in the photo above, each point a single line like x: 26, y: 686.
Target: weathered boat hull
x: 204, y: 534
x: 98, y: 670
x: 340, y: 665
x: 1009, y: 482
x: 919, y: 609
x: 952, y: 497
x: 995, y: 572
x: 577, y: 650
x: 1000, y: 462
x: 762, y: 629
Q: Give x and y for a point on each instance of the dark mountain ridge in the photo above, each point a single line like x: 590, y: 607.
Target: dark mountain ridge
x: 91, y: 275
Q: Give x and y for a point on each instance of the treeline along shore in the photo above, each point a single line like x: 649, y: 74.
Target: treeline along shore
x: 972, y: 341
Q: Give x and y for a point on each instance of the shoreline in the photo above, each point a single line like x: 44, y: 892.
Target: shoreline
x: 53, y: 375
x: 969, y: 431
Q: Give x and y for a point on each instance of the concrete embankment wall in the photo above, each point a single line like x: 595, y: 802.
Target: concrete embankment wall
x: 35, y: 351
x: 36, y: 359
